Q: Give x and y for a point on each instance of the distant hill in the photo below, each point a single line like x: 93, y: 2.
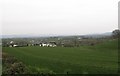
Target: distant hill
x: 99, y: 35
x: 53, y: 35
x: 25, y: 36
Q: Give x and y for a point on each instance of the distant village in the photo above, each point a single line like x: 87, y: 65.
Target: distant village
x: 46, y: 44
x: 66, y: 41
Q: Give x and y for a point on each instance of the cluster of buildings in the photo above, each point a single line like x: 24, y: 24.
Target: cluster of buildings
x: 47, y: 45
x: 41, y: 44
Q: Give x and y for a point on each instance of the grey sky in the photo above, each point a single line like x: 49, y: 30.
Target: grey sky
x: 58, y: 16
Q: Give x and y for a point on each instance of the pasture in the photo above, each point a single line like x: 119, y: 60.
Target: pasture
x: 99, y: 59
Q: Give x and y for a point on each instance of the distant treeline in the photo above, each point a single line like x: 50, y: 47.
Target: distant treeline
x: 66, y: 41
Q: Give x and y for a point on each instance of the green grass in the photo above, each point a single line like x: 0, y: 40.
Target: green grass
x: 98, y: 59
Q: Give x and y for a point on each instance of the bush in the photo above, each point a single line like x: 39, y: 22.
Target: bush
x: 12, y: 66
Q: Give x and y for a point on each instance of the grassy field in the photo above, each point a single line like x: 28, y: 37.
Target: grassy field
x: 98, y: 59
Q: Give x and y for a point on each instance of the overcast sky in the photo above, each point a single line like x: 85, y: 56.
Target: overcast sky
x: 61, y: 17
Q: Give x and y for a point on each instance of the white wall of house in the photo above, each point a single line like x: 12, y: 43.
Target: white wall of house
x: 15, y: 45
x: 47, y: 45
x: 10, y: 46
x: 11, y: 42
x: 54, y: 45
x: 44, y: 45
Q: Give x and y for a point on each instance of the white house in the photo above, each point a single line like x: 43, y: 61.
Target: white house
x: 44, y: 45
x: 54, y: 45
x: 15, y: 45
x: 47, y: 45
x: 11, y: 42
